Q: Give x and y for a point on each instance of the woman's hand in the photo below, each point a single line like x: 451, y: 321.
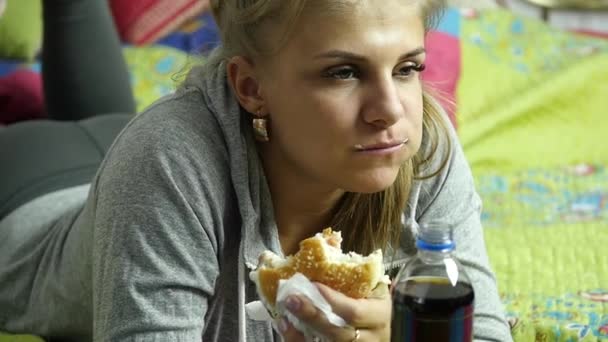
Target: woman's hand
x: 368, y: 319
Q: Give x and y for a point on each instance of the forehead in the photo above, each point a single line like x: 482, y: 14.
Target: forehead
x: 349, y: 23
x: 378, y: 9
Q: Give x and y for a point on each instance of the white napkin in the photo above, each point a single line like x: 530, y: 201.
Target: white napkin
x: 298, y: 284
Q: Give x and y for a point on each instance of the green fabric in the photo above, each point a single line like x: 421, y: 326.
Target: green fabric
x: 567, y: 259
x: 532, y: 121
x: 553, y: 279
x: 528, y: 94
x: 19, y: 338
x: 541, y: 332
x: 547, y: 236
x: 21, y: 29
x: 156, y: 71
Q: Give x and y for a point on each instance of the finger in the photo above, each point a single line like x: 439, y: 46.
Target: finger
x: 304, y: 310
x: 372, y: 313
x: 371, y: 335
x: 380, y: 291
x: 289, y: 332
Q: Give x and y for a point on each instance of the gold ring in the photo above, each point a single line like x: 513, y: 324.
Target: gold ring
x: 357, y: 335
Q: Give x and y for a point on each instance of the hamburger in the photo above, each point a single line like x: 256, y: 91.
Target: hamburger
x: 320, y: 259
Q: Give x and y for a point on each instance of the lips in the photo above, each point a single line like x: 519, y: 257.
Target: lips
x: 381, y: 145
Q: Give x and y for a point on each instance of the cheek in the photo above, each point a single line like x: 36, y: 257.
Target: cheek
x: 414, y: 105
x: 310, y: 114
x: 416, y: 118
x: 305, y: 127
x: 418, y: 110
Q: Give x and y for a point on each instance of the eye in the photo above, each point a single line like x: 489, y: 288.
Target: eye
x: 409, y: 68
x: 342, y: 73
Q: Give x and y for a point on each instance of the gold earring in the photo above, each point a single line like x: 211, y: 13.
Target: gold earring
x: 260, y: 127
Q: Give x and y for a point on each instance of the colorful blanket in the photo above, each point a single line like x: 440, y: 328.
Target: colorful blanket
x: 532, y: 120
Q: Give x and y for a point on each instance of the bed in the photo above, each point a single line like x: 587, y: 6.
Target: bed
x: 531, y: 114
x: 530, y: 106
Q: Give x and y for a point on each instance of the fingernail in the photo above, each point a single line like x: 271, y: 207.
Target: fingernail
x: 293, y: 303
x: 283, y: 325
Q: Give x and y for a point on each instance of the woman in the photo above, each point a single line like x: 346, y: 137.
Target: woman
x: 312, y: 114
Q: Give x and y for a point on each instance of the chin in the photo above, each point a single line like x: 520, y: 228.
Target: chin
x: 368, y: 183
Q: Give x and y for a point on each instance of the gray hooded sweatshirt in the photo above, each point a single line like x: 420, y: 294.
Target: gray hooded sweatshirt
x: 158, y: 248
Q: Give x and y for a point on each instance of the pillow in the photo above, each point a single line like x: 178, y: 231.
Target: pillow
x: 443, y: 71
x: 21, y: 29
x: 145, y: 21
x: 21, y: 97
x: 156, y: 71
x: 443, y: 61
x: 197, y: 36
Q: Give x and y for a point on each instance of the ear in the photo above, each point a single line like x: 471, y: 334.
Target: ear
x: 244, y: 83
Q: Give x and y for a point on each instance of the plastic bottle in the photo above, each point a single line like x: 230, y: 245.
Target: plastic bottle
x: 433, y: 298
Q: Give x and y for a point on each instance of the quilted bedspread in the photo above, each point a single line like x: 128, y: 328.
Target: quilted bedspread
x: 532, y: 105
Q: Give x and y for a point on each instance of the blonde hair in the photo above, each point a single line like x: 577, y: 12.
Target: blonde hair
x: 369, y: 221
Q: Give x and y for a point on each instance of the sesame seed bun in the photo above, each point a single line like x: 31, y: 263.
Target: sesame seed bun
x: 321, y: 260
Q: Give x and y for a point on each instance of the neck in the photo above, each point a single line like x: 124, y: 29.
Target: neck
x: 302, y: 207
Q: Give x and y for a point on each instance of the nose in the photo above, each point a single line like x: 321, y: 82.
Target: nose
x: 383, y: 106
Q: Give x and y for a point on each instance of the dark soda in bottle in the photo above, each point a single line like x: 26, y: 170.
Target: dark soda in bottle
x: 433, y: 299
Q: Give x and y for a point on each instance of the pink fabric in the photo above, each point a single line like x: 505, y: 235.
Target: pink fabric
x: 145, y: 21
x: 596, y: 34
x: 21, y: 97
x: 443, y: 69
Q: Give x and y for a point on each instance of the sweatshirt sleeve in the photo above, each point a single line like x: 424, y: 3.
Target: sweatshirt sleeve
x: 155, y: 257
x: 451, y: 197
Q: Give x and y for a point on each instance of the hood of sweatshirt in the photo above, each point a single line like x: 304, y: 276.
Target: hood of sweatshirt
x: 258, y: 228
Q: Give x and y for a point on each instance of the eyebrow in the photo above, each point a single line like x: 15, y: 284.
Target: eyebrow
x: 349, y: 55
